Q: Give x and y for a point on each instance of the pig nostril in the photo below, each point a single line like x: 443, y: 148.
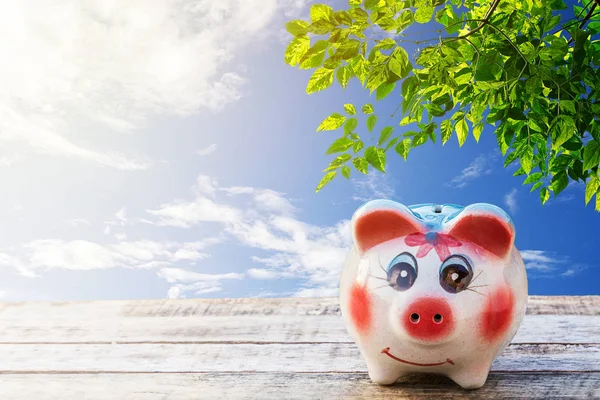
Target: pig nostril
x: 437, y: 318
x: 414, y: 318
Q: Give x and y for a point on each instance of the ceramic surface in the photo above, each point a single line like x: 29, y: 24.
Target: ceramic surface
x: 432, y: 288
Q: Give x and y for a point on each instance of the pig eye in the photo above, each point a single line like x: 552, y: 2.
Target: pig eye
x: 455, y: 274
x: 402, y: 272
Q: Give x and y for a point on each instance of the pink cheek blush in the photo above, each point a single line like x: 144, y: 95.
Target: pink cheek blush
x: 497, y: 314
x: 360, y: 308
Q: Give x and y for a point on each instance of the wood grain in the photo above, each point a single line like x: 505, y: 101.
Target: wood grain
x: 227, y: 357
x: 563, y: 305
x: 264, y: 348
x: 106, y: 322
x: 342, y: 386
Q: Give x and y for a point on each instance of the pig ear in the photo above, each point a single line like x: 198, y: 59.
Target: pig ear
x: 485, y: 225
x: 378, y: 221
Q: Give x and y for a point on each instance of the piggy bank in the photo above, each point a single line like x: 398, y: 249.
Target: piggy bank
x: 432, y: 289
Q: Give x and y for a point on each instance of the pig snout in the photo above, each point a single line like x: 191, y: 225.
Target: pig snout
x: 428, y: 319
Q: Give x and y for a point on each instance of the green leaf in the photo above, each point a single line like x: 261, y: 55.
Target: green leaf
x: 511, y: 158
x: 349, y: 108
x: 361, y: 164
x: 343, y: 74
x: 594, y: 28
x: 346, y: 171
x: 562, y: 129
x: 533, y: 178
x: 320, y: 12
x: 371, y: 121
x: 376, y: 157
x: 403, y: 148
x: 383, y: 90
x: 368, y: 109
x: 379, y: 75
x: 462, y: 131
x: 591, y: 188
x: 348, y: 49
x: 321, y: 79
x: 544, y: 195
x: 326, y: 179
x: 358, y: 146
x: 391, y: 143
x: 314, y: 57
x: 296, y: 50
x: 477, y: 129
x: 405, y: 19
x: 360, y: 67
x: 559, y: 182
x: 331, y: 123
x: 385, y: 44
x: 567, y: 106
x: 385, y: 135
x: 338, y: 161
x: 536, y: 186
x: 350, y: 125
x: 527, y: 158
x: 423, y: 14
x: 446, y: 127
x: 297, y: 27
x: 591, y: 155
x: 341, y: 144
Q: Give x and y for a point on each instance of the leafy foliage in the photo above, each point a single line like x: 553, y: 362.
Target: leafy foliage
x: 510, y: 64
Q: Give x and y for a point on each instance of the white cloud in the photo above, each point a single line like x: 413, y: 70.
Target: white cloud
x: 9, y: 261
x: 39, y: 255
x: 478, y: 167
x: 510, y: 199
x: 312, y: 253
x: 207, y: 150
x: 261, y: 273
x: 539, y: 256
x: 376, y: 185
x: 2, y: 294
x: 185, y: 214
x: 546, y: 264
x: 185, y: 281
x: 173, y: 275
x: 109, y: 65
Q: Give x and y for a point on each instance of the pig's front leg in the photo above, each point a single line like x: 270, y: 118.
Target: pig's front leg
x: 471, y: 375
x: 382, y: 374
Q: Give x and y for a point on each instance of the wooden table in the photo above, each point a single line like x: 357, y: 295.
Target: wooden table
x: 264, y: 348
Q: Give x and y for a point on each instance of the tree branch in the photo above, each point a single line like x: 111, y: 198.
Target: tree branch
x: 485, y: 20
x: 587, y: 17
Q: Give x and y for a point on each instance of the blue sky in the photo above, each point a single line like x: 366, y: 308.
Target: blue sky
x: 168, y: 151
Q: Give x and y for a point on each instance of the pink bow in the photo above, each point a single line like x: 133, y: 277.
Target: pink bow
x: 429, y: 240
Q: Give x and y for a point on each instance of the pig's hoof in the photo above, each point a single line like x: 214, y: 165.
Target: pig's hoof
x: 384, y: 378
x: 470, y: 379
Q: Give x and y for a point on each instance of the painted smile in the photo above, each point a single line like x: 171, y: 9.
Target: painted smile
x: 390, y: 355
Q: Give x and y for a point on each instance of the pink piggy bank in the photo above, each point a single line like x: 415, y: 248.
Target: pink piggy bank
x: 432, y: 289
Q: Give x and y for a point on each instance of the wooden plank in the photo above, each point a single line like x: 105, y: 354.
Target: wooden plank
x: 222, y: 357
x: 254, y: 328
x: 106, y: 322
x: 291, y: 386
x: 563, y: 305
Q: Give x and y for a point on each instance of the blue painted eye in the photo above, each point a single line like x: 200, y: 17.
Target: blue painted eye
x: 402, y: 272
x: 455, y: 274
